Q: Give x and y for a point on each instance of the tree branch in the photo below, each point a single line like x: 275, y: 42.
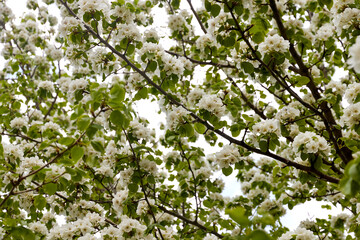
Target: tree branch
x: 194, y: 223
x: 335, y: 134
x: 197, y: 16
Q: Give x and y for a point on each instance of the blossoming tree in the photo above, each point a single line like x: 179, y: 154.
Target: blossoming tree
x: 259, y: 79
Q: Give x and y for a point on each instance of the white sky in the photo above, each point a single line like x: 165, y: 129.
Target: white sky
x: 148, y: 110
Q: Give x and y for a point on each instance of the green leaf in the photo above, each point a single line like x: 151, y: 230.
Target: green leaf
x: 328, y: 3
x: 77, y: 153
x: 207, y: 5
x: 21, y: 233
x: 117, y: 96
x: 301, y: 81
x: 1, y: 150
x: 189, y: 130
x: 123, y: 43
x: 229, y: 41
x: 91, y: 131
x: 97, y: 15
x: 248, y: 67
x: 133, y: 187
x: 97, y: 146
x: 275, y: 171
x: 141, y: 94
x: 200, y: 128
x: 15, y: 66
x: 258, y: 235
x: 152, y: 66
x: 66, y: 141
x: 263, y: 146
x: 50, y: 188
x: 83, y: 123
x: 227, y: 171
x: 284, y: 131
x: 79, y: 95
x: 94, y: 24
x: 130, y: 49
x: 39, y: 202
x: 119, y: 119
x: 239, y: 9
x: 304, y: 156
x: 175, y: 4
x: 258, y: 37
x: 238, y: 215
x: 318, y: 163
x: 87, y: 17
x: 348, y: 186
x: 267, y: 219
x: 215, y: 10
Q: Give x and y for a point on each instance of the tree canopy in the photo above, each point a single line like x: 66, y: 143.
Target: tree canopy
x: 274, y: 84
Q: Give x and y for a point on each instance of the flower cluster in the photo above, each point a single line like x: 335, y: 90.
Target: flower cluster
x: 213, y: 104
x: 267, y: 126
x: 47, y: 85
x: 119, y: 200
x: 129, y: 31
x: 336, y: 87
x: 288, y: 113
x: 140, y: 131
x: 351, y: 115
x: 93, y: 5
x: 325, y: 31
x: 309, y: 142
x: 352, y: 92
x: 175, y: 117
x: 354, y: 52
x: 19, y: 122
x: 274, y: 43
x: 77, y: 84
x: 128, y: 225
x: 227, y: 156
x: 123, y: 13
x: 177, y: 22
x: 205, y: 41
x: 173, y: 65
x: 346, y: 18
x: 300, y: 233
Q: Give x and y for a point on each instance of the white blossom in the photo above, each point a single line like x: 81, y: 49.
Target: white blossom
x: 213, y: 104
x: 354, y: 53
x: 38, y: 227
x: 351, y: 115
x: 274, y: 43
x: 352, y: 92
x: 94, y: 5
x: 310, y: 143
x: 47, y: 85
x: 76, y: 84
x: 300, y: 233
x: 18, y: 122
x: 176, y: 22
x: 267, y: 126
x: 325, y: 32
x: 228, y: 155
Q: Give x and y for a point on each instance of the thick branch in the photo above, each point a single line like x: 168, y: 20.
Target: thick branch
x: 335, y: 134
